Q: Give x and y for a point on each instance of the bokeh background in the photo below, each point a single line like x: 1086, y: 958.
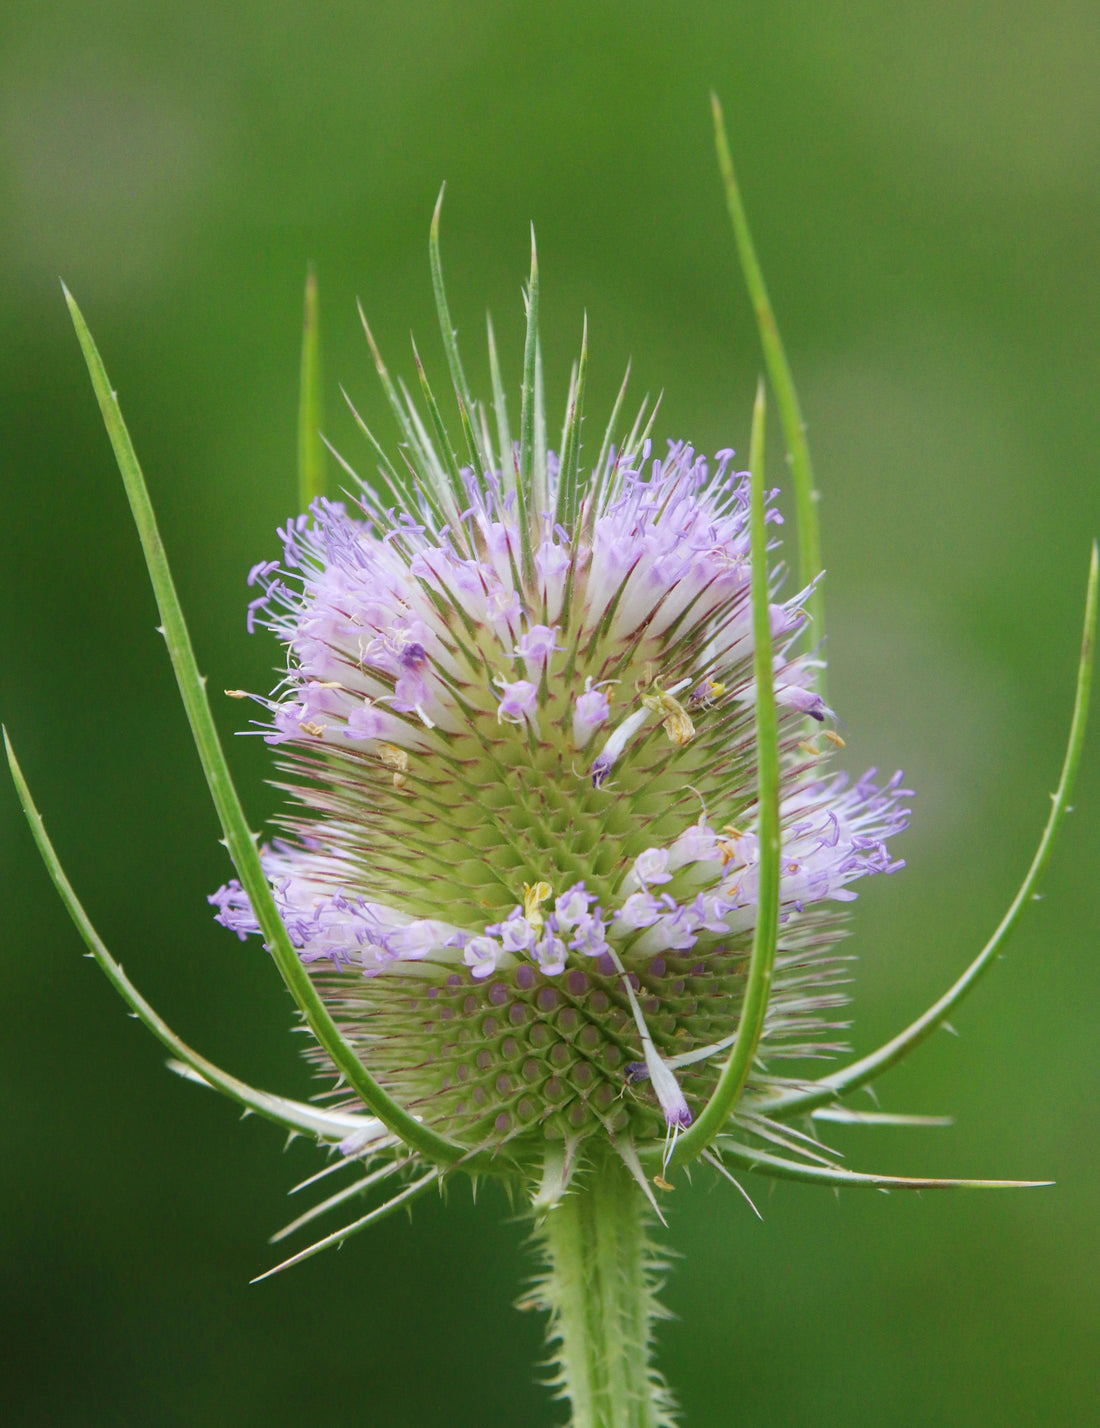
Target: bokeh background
x: 924, y: 183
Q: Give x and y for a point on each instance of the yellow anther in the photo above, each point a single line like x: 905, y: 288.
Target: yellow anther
x: 661, y: 1183
x: 312, y: 727
x: 808, y: 748
x: 834, y: 738
x: 396, y: 759
x: 535, y: 894
x: 675, y: 718
x: 237, y: 693
x: 707, y: 692
x: 727, y: 848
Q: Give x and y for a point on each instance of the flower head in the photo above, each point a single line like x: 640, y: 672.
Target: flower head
x: 518, y: 719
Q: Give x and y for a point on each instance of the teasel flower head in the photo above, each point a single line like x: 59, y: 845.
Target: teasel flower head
x: 561, y: 883
x: 517, y: 724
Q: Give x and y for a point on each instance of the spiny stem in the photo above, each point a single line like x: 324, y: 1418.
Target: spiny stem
x: 599, y: 1289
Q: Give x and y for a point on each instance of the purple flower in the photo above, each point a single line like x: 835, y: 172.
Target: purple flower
x: 590, y: 710
x: 518, y: 700
x: 537, y: 645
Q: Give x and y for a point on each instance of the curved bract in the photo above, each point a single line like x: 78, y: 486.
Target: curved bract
x: 784, y: 1103
x: 238, y: 838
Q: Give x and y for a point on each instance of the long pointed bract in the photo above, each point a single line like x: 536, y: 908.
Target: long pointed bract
x: 860, y: 1072
x: 786, y: 396
x: 758, y: 988
x: 311, y: 448
x: 500, y: 409
x: 293, y: 1115
x: 479, y: 458
x: 348, y: 1192
x: 446, y: 326
x: 569, y: 477
x: 411, y: 1192
x: 238, y: 838
x: 527, y: 420
x: 779, y: 1169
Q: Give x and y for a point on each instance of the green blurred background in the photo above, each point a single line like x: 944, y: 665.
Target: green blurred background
x: 924, y: 182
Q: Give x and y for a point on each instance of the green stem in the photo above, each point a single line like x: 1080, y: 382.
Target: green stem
x: 599, y: 1288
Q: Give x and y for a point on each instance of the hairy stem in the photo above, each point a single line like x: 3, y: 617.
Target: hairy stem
x: 600, y: 1289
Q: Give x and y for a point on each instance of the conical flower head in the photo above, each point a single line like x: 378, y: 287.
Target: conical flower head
x: 518, y: 715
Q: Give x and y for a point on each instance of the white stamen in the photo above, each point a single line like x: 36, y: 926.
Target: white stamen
x: 677, y: 1113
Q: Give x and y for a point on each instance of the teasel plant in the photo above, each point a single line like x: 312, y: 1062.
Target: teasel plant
x: 557, y: 892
